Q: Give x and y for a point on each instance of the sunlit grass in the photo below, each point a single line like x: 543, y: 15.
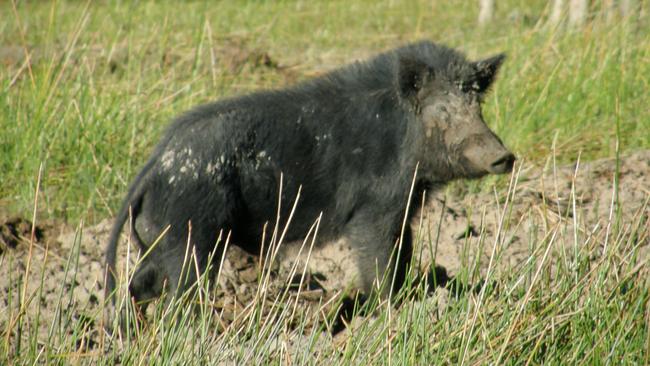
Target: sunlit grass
x: 105, y: 79
x: 581, y: 296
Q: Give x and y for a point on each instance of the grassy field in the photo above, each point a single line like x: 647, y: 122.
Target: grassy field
x: 86, y: 89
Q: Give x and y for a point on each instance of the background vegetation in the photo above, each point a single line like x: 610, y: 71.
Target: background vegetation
x: 87, y: 88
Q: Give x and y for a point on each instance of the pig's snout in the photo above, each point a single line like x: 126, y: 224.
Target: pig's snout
x: 503, y: 164
x: 485, y: 154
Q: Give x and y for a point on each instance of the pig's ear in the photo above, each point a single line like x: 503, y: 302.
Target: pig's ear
x: 412, y: 76
x: 486, y: 70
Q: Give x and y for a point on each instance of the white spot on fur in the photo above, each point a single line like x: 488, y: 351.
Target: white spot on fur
x: 167, y: 159
x: 192, y: 164
x: 212, y: 168
x: 260, y: 158
x: 190, y: 167
x: 358, y: 150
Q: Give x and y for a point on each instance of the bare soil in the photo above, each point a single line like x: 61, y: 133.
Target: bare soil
x: 61, y: 266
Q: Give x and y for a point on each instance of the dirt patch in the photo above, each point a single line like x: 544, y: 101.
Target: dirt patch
x: 578, y: 200
x: 226, y: 55
x: 15, y: 230
x: 64, y: 274
x: 234, y: 54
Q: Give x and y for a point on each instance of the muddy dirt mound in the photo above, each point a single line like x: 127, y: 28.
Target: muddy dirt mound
x: 16, y: 229
x: 578, y: 200
x: 582, y: 201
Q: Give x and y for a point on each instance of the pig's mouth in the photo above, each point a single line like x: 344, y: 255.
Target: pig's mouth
x: 503, y: 164
x: 484, y: 165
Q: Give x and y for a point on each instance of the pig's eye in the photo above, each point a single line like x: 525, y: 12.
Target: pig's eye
x: 469, y: 86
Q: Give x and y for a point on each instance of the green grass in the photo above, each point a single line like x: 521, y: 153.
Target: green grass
x: 588, y: 307
x: 105, y: 79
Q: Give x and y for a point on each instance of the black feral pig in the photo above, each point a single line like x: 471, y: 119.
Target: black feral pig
x: 351, y: 140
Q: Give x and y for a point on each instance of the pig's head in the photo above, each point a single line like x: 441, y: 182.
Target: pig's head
x: 446, y: 100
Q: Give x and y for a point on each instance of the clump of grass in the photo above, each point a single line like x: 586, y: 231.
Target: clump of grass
x: 88, y: 88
